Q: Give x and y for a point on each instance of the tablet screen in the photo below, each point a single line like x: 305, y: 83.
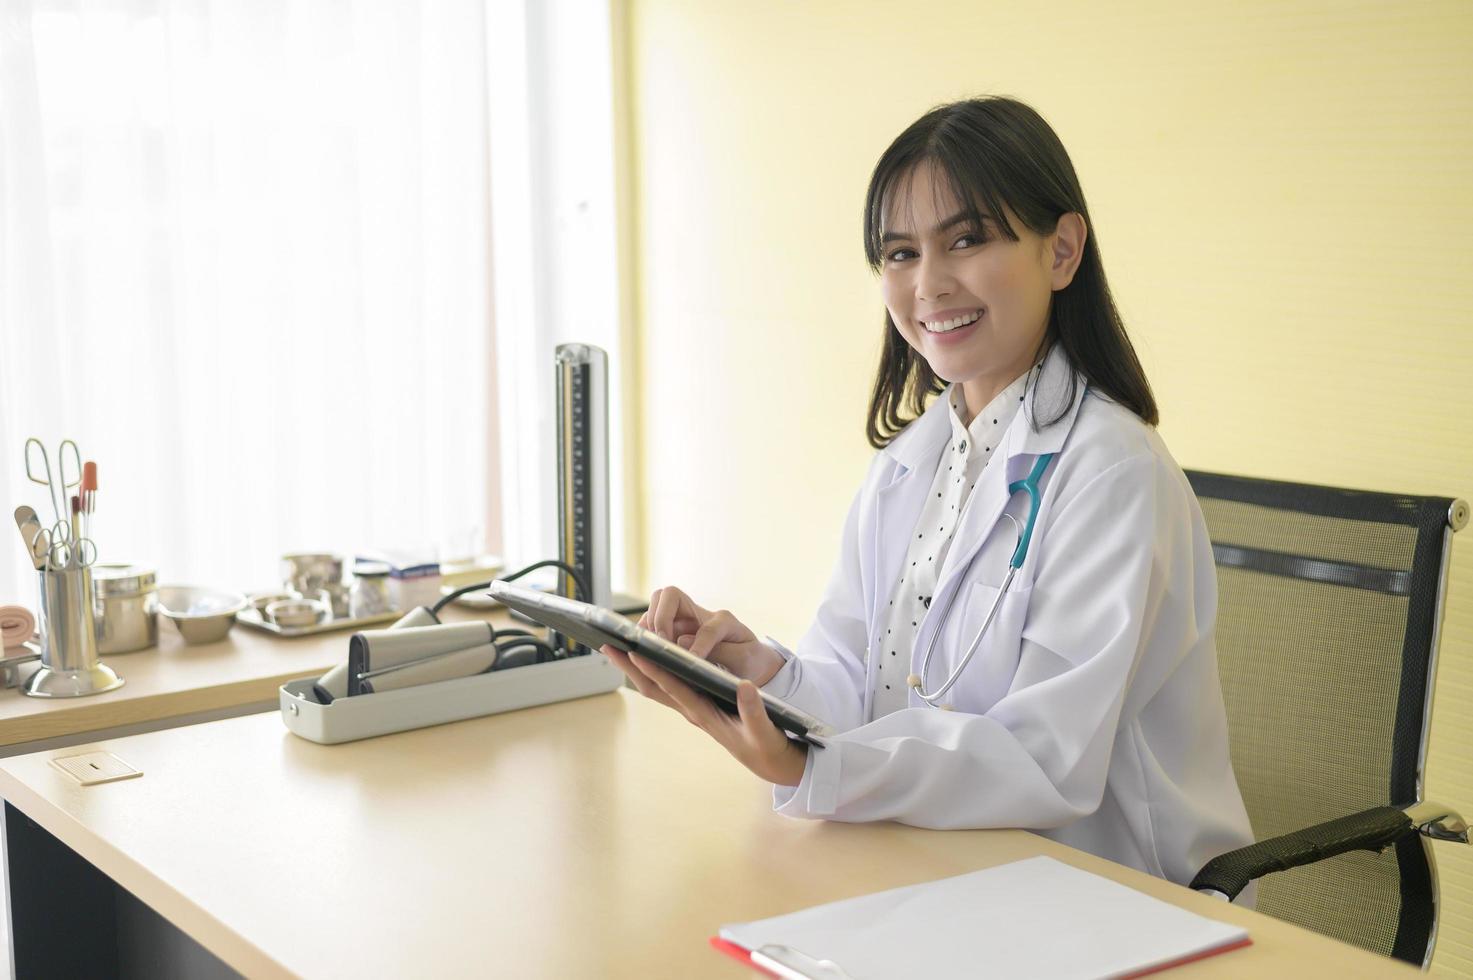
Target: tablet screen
x: 594, y: 626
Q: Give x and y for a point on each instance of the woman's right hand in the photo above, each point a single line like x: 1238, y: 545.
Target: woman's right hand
x: 716, y: 636
x: 749, y: 735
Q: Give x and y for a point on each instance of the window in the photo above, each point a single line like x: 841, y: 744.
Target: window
x: 246, y: 261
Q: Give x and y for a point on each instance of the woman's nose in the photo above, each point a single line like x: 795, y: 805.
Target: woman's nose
x: 934, y: 279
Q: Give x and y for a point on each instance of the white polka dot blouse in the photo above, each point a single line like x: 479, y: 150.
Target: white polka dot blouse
x: 961, y: 465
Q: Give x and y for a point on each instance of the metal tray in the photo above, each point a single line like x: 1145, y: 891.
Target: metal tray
x: 249, y: 617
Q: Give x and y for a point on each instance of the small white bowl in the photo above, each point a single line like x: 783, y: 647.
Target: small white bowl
x: 201, y: 615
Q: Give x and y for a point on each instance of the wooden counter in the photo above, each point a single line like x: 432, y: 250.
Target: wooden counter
x: 602, y: 837
x: 175, y: 683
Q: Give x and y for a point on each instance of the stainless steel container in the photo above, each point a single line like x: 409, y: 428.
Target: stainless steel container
x: 125, y: 602
x: 69, y: 664
x: 309, y: 572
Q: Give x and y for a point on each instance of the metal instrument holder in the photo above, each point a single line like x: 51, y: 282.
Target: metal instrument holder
x: 69, y: 664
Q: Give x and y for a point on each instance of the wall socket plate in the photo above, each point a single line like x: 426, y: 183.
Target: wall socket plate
x: 95, y: 767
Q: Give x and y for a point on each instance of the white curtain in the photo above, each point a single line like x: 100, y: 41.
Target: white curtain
x: 244, y: 263
x: 555, y: 198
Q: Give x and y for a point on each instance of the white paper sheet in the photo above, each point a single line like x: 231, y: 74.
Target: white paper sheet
x: 1032, y: 918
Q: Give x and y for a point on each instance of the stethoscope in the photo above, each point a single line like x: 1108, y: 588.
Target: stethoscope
x: 1029, y: 484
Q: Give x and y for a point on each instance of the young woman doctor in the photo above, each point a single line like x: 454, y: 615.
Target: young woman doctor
x: 1076, y: 695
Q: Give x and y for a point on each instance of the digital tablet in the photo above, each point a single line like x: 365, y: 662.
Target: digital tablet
x: 594, y: 626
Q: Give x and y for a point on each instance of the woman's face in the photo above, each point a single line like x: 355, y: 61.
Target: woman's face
x: 969, y: 300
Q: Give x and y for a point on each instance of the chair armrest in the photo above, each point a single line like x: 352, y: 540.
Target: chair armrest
x: 1369, y: 830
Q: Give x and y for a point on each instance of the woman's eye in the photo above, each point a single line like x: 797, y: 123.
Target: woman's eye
x: 970, y: 240
x: 900, y: 255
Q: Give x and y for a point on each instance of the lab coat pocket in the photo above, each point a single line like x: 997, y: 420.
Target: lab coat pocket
x: 989, y: 675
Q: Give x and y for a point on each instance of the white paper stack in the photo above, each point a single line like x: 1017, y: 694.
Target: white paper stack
x: 1032, y: 918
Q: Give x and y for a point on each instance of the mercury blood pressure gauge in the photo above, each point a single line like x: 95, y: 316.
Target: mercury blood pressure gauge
x: 583, y: 465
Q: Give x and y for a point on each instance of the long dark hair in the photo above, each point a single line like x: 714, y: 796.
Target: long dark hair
x: 998, y: 151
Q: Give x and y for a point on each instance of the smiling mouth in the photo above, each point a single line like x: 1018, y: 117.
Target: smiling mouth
x: 955, y: 323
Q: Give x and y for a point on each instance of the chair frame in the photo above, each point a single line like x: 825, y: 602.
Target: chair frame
x: 1404, y: 826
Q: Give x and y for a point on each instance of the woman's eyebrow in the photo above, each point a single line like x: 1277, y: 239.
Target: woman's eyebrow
x: 960, y: 218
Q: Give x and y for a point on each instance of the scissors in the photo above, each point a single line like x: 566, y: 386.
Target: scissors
x: 63, y: 547
x: 56, y: 489
x: 66, y: 552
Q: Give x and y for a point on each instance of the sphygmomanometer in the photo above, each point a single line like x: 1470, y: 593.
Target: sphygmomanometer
x: 419, y: 649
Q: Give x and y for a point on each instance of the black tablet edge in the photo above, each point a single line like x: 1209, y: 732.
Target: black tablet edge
x: 646, y: 643
x: 785, y: 716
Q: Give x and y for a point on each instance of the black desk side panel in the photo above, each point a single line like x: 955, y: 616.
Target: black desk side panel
x: 68, y: 919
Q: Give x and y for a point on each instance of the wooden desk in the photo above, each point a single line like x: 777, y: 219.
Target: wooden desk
x: 594, y: 838
x: 177, y: 684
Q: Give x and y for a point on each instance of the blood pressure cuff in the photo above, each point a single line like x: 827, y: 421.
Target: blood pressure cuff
x: 442, y: 667
x: 385, y: 648
x: 412, y: 638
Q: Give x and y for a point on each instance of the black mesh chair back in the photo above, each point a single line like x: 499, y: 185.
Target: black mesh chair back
x: 1329, y: 603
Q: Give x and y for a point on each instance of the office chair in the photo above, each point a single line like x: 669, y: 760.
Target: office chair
x: 1330, y: 606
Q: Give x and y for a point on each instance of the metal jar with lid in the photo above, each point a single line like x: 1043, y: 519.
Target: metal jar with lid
x: 125, y: 604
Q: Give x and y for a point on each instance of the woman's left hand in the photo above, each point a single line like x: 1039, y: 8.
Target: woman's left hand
x: 750, y: 736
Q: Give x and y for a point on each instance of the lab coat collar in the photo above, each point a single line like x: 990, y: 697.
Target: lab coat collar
x: 1057, y: 386
x: 1046, y: 391
x: 923, y: 438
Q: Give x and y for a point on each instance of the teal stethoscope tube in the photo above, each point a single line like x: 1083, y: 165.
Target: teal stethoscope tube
x: 1030, y: 485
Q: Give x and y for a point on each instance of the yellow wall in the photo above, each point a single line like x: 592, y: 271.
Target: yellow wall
x: 1281, y: 190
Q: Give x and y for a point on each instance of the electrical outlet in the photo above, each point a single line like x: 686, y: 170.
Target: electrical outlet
x: 95, y: 767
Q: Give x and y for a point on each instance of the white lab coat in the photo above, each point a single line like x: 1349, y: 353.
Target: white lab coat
x: 1092, y: 711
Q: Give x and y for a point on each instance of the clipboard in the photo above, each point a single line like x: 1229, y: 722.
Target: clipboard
x: 1037, y: 917
x: 595, y: 626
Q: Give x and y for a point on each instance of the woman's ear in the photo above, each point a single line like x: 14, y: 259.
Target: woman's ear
x: 1067, y: 246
